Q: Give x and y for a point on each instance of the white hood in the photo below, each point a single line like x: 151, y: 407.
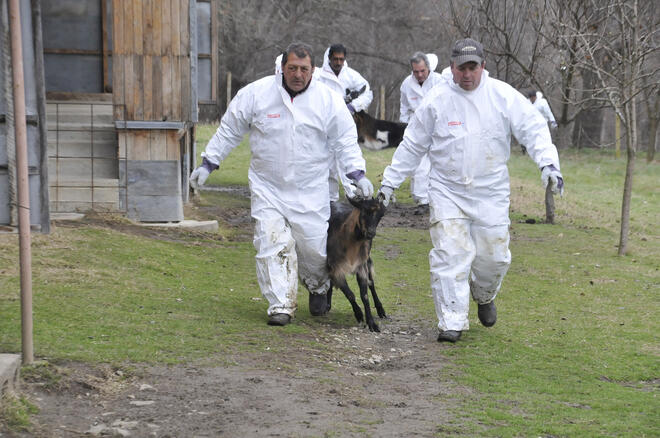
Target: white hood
x: 433, y: 61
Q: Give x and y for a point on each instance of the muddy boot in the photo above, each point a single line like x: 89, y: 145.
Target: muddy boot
x: 449, y: 335
x: 487, y: 314
x: 318, y: 304
x: 279, y: 319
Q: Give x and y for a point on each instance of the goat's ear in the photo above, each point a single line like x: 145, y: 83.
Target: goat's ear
x: 355, y: 201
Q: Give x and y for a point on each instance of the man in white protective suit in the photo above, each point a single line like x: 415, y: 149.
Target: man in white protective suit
x: 296, y: 126
x: 539, y: 102
x: 357, y: 93
x: 413, y: 89
x: 353, y: 88
x: 465, y: 126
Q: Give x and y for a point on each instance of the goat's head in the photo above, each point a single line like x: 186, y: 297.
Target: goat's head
x: 371, y: 212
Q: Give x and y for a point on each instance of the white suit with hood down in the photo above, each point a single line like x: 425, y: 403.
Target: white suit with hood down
x: 467, y: 135
x: 412, y: 95
x: 348, y: 79
x: 292, y: 141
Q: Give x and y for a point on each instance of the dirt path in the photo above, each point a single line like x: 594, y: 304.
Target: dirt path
x: 356, y: 384
x: 392, y: 384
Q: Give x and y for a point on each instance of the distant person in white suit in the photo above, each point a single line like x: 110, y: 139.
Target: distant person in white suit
x: 539, y: 102
x: 413, y: 89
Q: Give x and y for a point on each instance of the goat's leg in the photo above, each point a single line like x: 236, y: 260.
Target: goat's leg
x: 350, y: 296
x: 363, y: 281
x: 379, y: 306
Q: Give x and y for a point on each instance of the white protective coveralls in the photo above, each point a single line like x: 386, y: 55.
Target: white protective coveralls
x: 293, y: 141
x: 348, y: 79
x: 467, y: 135
x: 351, y: 80
x: 544, y: 108
x: 411, y: 96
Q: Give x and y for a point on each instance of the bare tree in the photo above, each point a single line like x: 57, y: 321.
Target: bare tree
x: 380, y: 37
x: 615, y: 49
x: 521, y: 45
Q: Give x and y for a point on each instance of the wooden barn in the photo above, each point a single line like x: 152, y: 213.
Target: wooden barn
x: 122, y: 89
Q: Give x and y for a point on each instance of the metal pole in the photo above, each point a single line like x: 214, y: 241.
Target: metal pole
x: 23, y: 182
x: 41, y: 112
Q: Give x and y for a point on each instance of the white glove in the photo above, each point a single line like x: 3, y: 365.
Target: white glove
x: 550, y: 175
x: 553, y: 124
x: 387, y: 193
x: 198, y: 177
x: 364, y: 188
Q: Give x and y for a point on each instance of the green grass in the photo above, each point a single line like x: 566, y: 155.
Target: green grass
x: 15, y: 411
x: 575, y: 351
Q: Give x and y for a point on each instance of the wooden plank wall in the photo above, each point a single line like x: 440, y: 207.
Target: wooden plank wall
x: 151, y: 63
x: 152, y: 144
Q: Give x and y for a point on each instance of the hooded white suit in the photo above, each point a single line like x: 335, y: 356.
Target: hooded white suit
x: 293, y: 141
x: 412, y: 95
x: 467, y: 136
x: 544, y: 108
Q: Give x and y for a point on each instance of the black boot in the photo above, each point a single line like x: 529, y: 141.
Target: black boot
x: 487, y: 314
x: 318, y: 304
x: 449, y: 335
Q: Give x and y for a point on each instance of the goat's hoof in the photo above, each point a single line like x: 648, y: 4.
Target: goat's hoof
x: 373, y: 327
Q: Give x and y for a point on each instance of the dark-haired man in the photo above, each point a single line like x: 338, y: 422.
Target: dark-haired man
x: 357, y: 93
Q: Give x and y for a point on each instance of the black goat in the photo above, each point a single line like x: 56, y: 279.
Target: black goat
x: 350, y: 232
x: 376, y: 134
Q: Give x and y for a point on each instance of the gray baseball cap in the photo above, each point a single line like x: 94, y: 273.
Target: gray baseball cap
x: 467, y: 50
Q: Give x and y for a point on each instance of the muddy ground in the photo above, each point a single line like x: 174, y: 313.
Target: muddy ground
x: 388, y: 384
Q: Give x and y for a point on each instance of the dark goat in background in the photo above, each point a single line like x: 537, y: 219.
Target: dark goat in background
x: 350, y: 232
x: 377, y: 134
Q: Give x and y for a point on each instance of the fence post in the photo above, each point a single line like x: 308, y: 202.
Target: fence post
x: 549, y: 205
x: 228, y: 90
x: 382, y: 102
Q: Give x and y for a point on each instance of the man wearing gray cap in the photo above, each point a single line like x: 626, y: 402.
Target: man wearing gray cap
x: 465, y: 126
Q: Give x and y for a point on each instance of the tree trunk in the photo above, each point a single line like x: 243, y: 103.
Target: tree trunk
x: 631, y: 140
x: 653, y: 130
x: 589, y: 122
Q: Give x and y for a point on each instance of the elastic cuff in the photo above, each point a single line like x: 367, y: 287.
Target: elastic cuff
x: 208, y: 165
x: 356, y: 175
